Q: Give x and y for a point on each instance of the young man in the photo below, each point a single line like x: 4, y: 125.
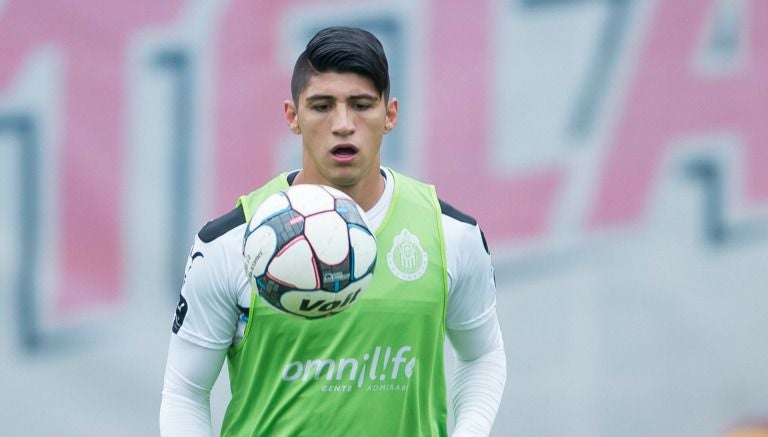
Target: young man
x: 387, y: 348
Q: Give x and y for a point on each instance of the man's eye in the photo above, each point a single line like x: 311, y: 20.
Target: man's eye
x: 361, y: 106
x: 322, y: 107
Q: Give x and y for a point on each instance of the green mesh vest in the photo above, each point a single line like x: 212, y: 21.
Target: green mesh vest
x: 374, y: 370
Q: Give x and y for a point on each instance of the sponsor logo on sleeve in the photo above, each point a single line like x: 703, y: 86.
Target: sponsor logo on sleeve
x: 181, y: 312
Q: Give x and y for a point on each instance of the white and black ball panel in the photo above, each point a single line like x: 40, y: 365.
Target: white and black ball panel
x: 287, y: 226
x: 335, y: 277
x: 258, y: 249
x: 363, y: 248
x: 294, y: 265
x: 337, y: 194
x: 271, y: 206
x: 327, y: 232
x: 309, y: 199
x: 352, y: 213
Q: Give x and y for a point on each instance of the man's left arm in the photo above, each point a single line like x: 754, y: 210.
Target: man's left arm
x: 473, y: 328
x: 479, y: 377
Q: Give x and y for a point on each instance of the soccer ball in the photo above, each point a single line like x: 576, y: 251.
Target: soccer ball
x: 309, y: 251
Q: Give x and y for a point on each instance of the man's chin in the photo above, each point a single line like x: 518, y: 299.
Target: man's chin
x: 345, y: 180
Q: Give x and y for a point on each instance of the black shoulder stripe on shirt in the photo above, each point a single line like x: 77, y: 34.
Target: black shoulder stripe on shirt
x: 220, y: 226
x: 485, y: 243
x: 452, y: 212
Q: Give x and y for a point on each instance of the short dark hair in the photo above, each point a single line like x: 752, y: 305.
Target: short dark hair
x: 342, y: 49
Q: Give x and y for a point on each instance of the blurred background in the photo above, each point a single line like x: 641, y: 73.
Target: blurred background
x: 615, y: 153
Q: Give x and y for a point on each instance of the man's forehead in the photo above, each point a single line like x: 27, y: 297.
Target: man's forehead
x: 338, y: 85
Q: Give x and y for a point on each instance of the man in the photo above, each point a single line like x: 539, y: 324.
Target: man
x: 279, y: 365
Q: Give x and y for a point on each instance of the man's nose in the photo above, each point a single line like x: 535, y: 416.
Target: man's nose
x: 343, y: 123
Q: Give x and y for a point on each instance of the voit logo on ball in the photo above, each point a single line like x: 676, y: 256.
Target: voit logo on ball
x: 407, y: 259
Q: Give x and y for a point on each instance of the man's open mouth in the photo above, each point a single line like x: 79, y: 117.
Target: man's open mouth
x: 344, y: 150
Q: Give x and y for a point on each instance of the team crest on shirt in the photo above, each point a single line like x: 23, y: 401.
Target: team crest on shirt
x: 407, y: 259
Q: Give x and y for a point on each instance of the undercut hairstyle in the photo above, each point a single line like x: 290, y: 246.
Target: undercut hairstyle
x: 342, y: 50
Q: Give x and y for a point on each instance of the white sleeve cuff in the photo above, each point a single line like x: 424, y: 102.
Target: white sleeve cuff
x: 479, y: 378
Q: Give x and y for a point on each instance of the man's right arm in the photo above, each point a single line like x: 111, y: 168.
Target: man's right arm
x: 204, y: 326
x: 190, y: 373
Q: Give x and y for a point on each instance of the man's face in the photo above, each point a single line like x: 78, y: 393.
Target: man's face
x: 342, y: 119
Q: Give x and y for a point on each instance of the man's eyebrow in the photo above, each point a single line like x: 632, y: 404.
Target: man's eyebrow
x: 364, y: 96
x: 315, y: 97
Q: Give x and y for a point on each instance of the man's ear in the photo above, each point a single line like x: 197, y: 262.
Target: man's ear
x: 391, y: 120
x: 291, y: 116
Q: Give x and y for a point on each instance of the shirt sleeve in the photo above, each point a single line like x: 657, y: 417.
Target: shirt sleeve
x: 473, y: 329
x: 207, y: 313
x: 478, y: 381
x: 471, y: 284
x: 190, y: 372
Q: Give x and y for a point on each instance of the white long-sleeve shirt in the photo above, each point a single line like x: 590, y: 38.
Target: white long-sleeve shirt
x: 216, y: 290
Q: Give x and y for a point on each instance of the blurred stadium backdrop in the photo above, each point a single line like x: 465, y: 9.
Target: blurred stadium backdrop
x: 614, y: 151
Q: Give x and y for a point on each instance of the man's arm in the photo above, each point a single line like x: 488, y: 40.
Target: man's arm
x: 190, y: 373
x: 479, y: 377
x: 204, y: 326
x: 472, y: 326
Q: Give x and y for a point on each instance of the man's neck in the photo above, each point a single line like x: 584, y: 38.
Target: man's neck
x: 366, y: 193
